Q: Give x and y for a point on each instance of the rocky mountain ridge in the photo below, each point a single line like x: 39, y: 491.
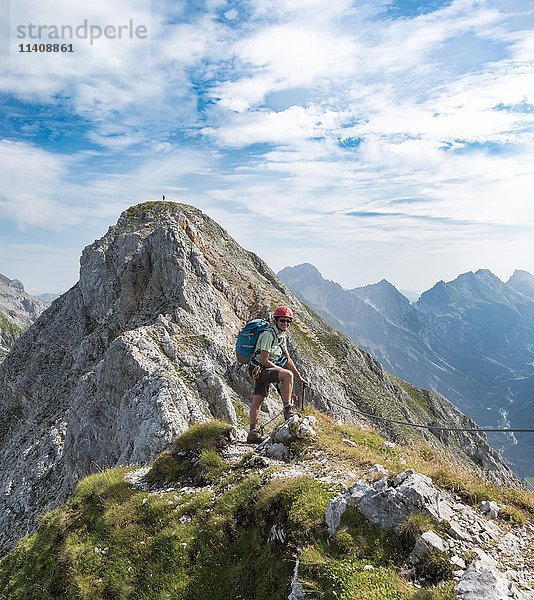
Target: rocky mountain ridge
x: 301, y: 516
x: 469, y: 339
x: 142, y: 347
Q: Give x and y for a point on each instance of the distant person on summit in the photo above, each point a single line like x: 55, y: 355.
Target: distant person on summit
x: 271, y: 363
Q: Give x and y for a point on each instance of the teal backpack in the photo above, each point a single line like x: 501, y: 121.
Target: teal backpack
x: 247, y: 338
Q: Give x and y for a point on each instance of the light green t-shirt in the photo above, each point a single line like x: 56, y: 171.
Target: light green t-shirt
x: 277, y: 348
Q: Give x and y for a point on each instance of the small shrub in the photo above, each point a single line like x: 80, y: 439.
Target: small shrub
x: 342, y: 543
x: 512, y: 514
x: 211, y: 465
x: 469, y: 556
x: 312, y: 558
x: 435, y: 567
x: 212, y: 434
x: 427, y: 454
x: 109, y: 484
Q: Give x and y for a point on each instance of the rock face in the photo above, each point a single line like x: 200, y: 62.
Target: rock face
x: 18, y: 310
x: 467, y: 339
x: 464, y: 531
x: 389, y: 505
x: 142, y: 347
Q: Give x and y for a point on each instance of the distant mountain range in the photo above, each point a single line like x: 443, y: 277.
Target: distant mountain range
x: 48, y: 296
x: 471, y: 340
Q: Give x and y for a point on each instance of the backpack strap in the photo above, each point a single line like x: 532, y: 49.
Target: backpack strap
x: 283, y: 360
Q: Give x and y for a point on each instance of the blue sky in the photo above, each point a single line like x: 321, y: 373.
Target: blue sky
x: 375, y: 139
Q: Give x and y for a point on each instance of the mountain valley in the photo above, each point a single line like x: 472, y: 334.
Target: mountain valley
x: 470, y: 340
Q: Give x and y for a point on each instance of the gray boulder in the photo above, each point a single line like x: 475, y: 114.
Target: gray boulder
x: 489, y: 508
x: 428, y: 542
x: 388, y: 506
x: 482, y: 581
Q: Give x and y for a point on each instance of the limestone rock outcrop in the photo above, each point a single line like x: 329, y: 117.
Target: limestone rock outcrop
x: 142, y: 347
x: 498, y: 571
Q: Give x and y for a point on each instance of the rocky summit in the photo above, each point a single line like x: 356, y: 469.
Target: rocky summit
x: 142, y: 348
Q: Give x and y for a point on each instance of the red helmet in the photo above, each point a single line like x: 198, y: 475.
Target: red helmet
x: 283, y: 311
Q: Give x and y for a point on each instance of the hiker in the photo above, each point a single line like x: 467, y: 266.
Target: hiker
x: 271, y: 363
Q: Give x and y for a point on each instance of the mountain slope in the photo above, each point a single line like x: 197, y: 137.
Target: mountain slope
x: 142, y: 347
x: 376, y: 317
x: 17, y: 311
x: 523, y: 282
x: 485, y: 328
x: 211, y: 520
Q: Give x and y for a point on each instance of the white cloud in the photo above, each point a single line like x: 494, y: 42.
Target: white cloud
x: 55, y: 192
x: 31, y: 179
x: 310, y: 11
x: 381, y: 115
x: 285, y: 56
x: 288, y: 127
x: 135, y: 82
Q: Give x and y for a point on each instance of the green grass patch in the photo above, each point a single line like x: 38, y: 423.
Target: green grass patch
x: 210, y: 435
x: 360, y: 561
x: 435, y: 567
x: 338, y: 569
x: 298, y: 503
x: 512, y: 514
x: 413, y: 526
x: 112, y: 541
x: 371, y: 542
x: 194, y: 455
x: 328, y: 578
x: 9, y: 326
x: 444, y: 591
x: 414, y: 394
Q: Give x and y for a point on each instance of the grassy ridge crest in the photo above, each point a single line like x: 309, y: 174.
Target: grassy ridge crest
x: 208, y: 529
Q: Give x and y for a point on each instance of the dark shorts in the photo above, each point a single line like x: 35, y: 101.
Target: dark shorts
x: 262, y: 384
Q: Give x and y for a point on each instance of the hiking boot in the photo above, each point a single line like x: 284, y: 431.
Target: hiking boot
x: 289, y: 411
x: 255, y: 437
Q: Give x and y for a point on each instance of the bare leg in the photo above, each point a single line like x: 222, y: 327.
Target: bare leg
x: 255, y: 409
x: 285, y: 378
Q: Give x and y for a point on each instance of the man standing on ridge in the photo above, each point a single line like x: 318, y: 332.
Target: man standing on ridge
x: 272, y: 364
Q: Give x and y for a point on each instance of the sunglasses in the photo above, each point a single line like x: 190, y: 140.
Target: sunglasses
x: 288, y: 321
